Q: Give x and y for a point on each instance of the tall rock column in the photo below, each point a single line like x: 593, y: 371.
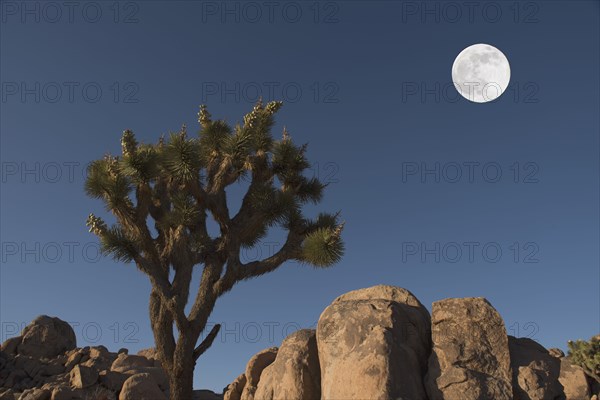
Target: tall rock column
x: 470, y: 358
x: 374, y: 344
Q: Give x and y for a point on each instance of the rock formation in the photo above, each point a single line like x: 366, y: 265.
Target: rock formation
x: 374, y: 343
x: 43, y: 363
x: 381, y: 343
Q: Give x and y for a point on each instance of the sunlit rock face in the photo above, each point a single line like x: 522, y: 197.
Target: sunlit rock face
x: 374, y: 343
x: 470, y: 358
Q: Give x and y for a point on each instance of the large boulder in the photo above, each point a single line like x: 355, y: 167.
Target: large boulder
x: 136, y: 364
x: 254, y: 369
x: 555, y: 352
x: 9, y: 347
x: 46, y: 337
x: 234, y: 390
x: 125, y: 362
x: 141, y: 386
x: 112, y: 380
x: 574, y: 380
x: 374, y: 344
x: 295, y: 373
x: 157, y: 374
x: 74, y: 357
x: 535, y: 371
x: 82, y: 377
x: 99, y: 358
x: 470, y: 358
x: 151, y: 354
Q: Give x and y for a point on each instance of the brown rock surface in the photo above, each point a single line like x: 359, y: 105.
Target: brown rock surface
x: 234, y: 390
x: 374, y: 343
x: 535, y: 371
x: 46, y: 337
x: 574, y: 381
x: 10, y: 345
x: 295, y: 373
x: 125, y: 362
x: 82, y: 377
x: 112, y: 380
x: 254, y: 369
x: 141, y: 386
x: 470, y: 358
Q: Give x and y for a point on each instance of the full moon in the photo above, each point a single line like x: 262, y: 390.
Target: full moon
x: 481, y: 73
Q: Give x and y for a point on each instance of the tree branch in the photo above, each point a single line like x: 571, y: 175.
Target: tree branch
x: 164, y: 289
x: 217, y: 205
x: 260, y: 175
x: 238, y: 272
x: 206, y: 296
x: 591, y: 374
x: 162, y: 326
x: 207, y: 342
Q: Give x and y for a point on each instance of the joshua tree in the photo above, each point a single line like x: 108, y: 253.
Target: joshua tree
x: 586, y: 355
x: 174, y: 185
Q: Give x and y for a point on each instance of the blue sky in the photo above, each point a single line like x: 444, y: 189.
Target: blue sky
x: 365, y: 83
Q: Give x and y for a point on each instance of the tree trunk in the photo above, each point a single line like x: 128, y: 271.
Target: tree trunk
x: 177, y: 358
x: 181, y: 375
x: 162, y: 328
x: 181, y: 381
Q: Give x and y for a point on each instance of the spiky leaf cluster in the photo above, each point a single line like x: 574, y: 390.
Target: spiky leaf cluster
x: 180, y: 159
x: 114, y: 241
x: 105, y: 181
x: 184, y: 212
x: 323, y: 247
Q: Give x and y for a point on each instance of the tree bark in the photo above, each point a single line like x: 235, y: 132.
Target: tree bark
x: 181, y: 375
x: 162, y: 328
x: 181, y: 381
x: 179, y: 358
